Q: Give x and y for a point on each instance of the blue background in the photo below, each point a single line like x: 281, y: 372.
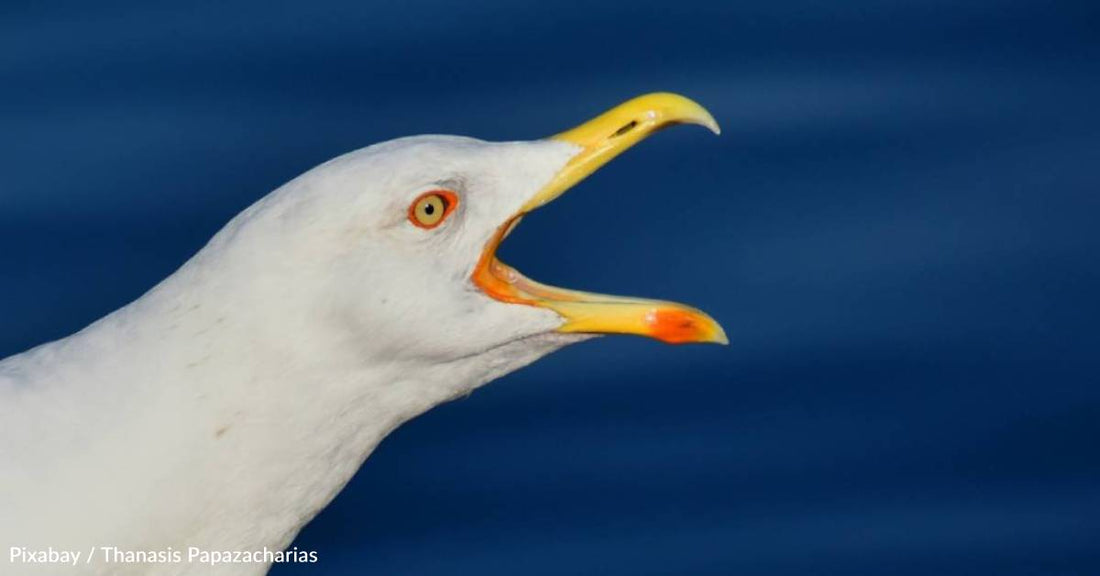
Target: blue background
x: 897, y: 228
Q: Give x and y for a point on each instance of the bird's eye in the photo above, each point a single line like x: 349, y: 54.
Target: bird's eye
x: 431, y: 208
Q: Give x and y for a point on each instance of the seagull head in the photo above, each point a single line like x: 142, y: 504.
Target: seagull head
x: 390, y: 251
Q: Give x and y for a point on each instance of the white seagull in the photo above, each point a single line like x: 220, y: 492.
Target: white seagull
x: 223, y: 409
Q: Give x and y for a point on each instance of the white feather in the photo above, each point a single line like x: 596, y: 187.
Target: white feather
x: 228, y: 405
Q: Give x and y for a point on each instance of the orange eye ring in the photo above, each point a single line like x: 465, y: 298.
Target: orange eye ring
x: 430, y: 209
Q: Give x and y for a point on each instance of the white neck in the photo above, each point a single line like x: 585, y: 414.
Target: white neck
x: 194, y: 423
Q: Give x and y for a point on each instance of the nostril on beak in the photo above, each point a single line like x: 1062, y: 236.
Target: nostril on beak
x: 625, y: 128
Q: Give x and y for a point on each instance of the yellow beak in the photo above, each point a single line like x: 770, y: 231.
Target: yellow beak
x: 600, y: 140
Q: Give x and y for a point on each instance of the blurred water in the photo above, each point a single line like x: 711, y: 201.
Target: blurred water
x: 897, y: 229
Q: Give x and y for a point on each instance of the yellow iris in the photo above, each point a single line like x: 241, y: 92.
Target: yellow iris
x: 430, y: 209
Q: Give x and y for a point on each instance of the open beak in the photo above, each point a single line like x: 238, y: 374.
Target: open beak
x: 600, y: 140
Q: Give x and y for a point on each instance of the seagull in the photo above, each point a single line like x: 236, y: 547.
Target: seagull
x: 228, y: 405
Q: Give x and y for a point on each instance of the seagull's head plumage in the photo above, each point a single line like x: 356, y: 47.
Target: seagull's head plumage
x: 396, y: 287
x: 388, y: 252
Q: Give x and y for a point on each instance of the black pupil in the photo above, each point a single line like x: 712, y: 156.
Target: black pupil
x: 429, y: 208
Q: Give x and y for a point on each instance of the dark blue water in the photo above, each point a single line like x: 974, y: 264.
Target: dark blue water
x: 898, y: 229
